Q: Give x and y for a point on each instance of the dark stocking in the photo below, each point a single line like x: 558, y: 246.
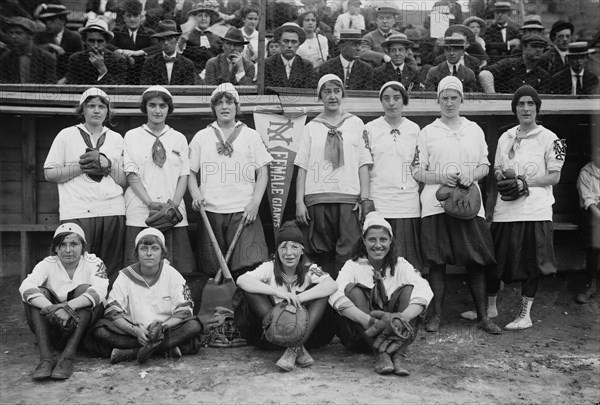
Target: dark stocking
x: 437, y: 281
x: 477, y: 284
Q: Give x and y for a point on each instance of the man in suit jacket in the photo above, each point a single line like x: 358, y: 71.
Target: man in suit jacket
x: 397, y: 47
x: 168, y: 66
x: 96, y: 65
x: 502, y: 35
x: 554, y: 59
x: 57, y: 39
x: 454, y: 50
x: 371, y: 48
x: 356, y: 74
x: 230, y: 66
x: 133, y: 41
x: 288, y: 69
x: 575, y: 79
x: 25, y: 62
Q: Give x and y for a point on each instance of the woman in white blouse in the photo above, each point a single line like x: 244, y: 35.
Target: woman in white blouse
x: 315, y: 49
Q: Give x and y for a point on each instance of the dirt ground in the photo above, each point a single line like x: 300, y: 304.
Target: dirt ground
x: 555, y: 362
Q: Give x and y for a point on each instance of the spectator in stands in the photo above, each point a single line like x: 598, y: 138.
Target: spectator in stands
x: 352, y: 19
x: 474, y: 57
x: 58, y: 39
x: 168, y: 66
x: 96, y: 64
x: 25, y: 62
x: 454, y: 50
x: 397, y: 46
x: 326, y: 18
x: 532, y: 24
x: 106, y: 9
x: 133, y: 41
x: 502, y: 35
x: 575, y: 79
x: 249, y: 30
x: 63, y: 295
x: 288, y: 69
x: 477, y: 25
x: 588, y: 185
x: 371, y: 49
x: 199, y: 45
x: 508, y: 75
x: 555, y: 58
x: 85, y: 161
x: 230, y: 66
x: 272, y: 48
x: 315, y: 48
x: 356, y: 74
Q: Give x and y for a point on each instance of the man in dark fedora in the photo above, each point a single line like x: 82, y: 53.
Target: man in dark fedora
x: 132, y: 40
x: 397, y: 47
x: 371, y: 50
x: 356, y: 74
x: 555, y: 58
x: 454, y: 50
x: 25, y: 62
x: 230, y: 66
x: 575, y: 79
x: 168, y: 66
x: 96, y: 64
x: 57, y: 39
x: 288, y: 69
x: 502, y: 35
x: 507, y: 75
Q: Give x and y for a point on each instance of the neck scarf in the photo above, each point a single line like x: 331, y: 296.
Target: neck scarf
x: 226, y: 147
x: 334, y: 145
x: 88, y: 142
x: 379, y: 298
x: 159, y: 154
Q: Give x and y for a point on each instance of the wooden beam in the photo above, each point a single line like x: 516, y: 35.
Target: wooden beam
x: 28, y: 173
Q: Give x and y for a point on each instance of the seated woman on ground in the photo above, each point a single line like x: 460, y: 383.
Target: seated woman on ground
x: 291, y: 278
x: 63, y: 294
x: 149, y: 309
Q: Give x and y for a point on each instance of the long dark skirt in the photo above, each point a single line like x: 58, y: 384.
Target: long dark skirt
x: 250, y: 325
x: 590, y: 230
x: 178, y: 244
x: 407, y: 234
x: 523, y: 249
x: 449, y: 240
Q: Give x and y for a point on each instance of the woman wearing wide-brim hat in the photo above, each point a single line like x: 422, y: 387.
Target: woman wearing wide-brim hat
x: 477, y: 25
x: 230, y: 66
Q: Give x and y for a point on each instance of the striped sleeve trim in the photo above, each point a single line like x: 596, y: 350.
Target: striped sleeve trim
x: 93, y: 296
x: 342, y: 303
x: 31, y: 293
x: 114, y: 311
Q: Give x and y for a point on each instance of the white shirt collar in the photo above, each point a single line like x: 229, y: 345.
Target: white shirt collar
x: 395, y: 67
x: 576, y: 74
x: 346, y: 62
x: 286, y: 62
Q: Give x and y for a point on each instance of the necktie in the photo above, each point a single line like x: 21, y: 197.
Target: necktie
x: 399, y: 72
x: 288, y: 68
x: 347, y: 76
x: 350, y: 27
x: 578, y: 88
x: 168, y: 59
x: 334, y: 144
x: 232, y: 72
x: 131, y: 37
x: 454, y: 70
x: 24, y: 68
x: 159, y: 154
x: 378, y: 298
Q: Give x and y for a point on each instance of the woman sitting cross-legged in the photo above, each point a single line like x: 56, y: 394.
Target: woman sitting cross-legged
x: 149, y: 309
x: 63, y: 295
x: 376, y: 279
x: 291, y: 278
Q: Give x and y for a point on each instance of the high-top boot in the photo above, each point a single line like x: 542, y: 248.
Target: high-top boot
x: 523, y: 321
x: 588, y: 294
x: 304, y: 358
x: 64, y: 366
x: 40, y: 327
x: 288, y: 360
x: 119, y: 355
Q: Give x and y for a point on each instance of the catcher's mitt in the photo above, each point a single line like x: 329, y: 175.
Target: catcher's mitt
x: 50, y: 313
x: 155, y: 332
x: 224, y: 333
x: 286, y: 325
x: 508, y: 186
x: 164, y: 218
x: 460, y: 202
x: 90, y: 164
x: 391, y: 331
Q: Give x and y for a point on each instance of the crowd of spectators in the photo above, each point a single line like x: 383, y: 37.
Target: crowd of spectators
x: 194, y: 42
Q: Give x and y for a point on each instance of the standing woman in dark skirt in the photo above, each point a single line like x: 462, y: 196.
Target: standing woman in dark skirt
x: 528, y: 162
x: 451, y: 151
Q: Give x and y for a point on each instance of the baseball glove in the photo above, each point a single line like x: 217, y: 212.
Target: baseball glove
x: 155, y: 332
x: 90, y: 164
x: 391, y: 332
x: 50, y: 313
x: 165, y: 218
x: 508, y: 187
x: 460, y: 202
x: 286, y: 325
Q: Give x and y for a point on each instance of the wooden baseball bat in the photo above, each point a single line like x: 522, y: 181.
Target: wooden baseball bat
x: 215, y: 244
x: 238, y: 232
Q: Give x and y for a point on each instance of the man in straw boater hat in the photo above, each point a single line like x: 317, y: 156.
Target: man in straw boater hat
x: 25, y: 62
x: 507, y: 75
x: 555, y: 58
x: 371, y: 49
x: 230, y: 66
x: 288, y: 69
x: 575, y: 79
x: 454, y: 50
x: 57, y: 39
x: 501, y: 36
x: 356, y: 74
x: 397, y: 46
x: 200, y: 44
x: 168, y: 66
x: 96, y: 64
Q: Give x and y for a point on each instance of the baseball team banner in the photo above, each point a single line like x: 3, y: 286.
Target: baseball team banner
x: 281, y: 134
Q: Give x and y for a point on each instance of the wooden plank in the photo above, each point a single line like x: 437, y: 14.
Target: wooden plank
x: 11, y: 198
x: 28, y: 173
x: 28, y: 227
